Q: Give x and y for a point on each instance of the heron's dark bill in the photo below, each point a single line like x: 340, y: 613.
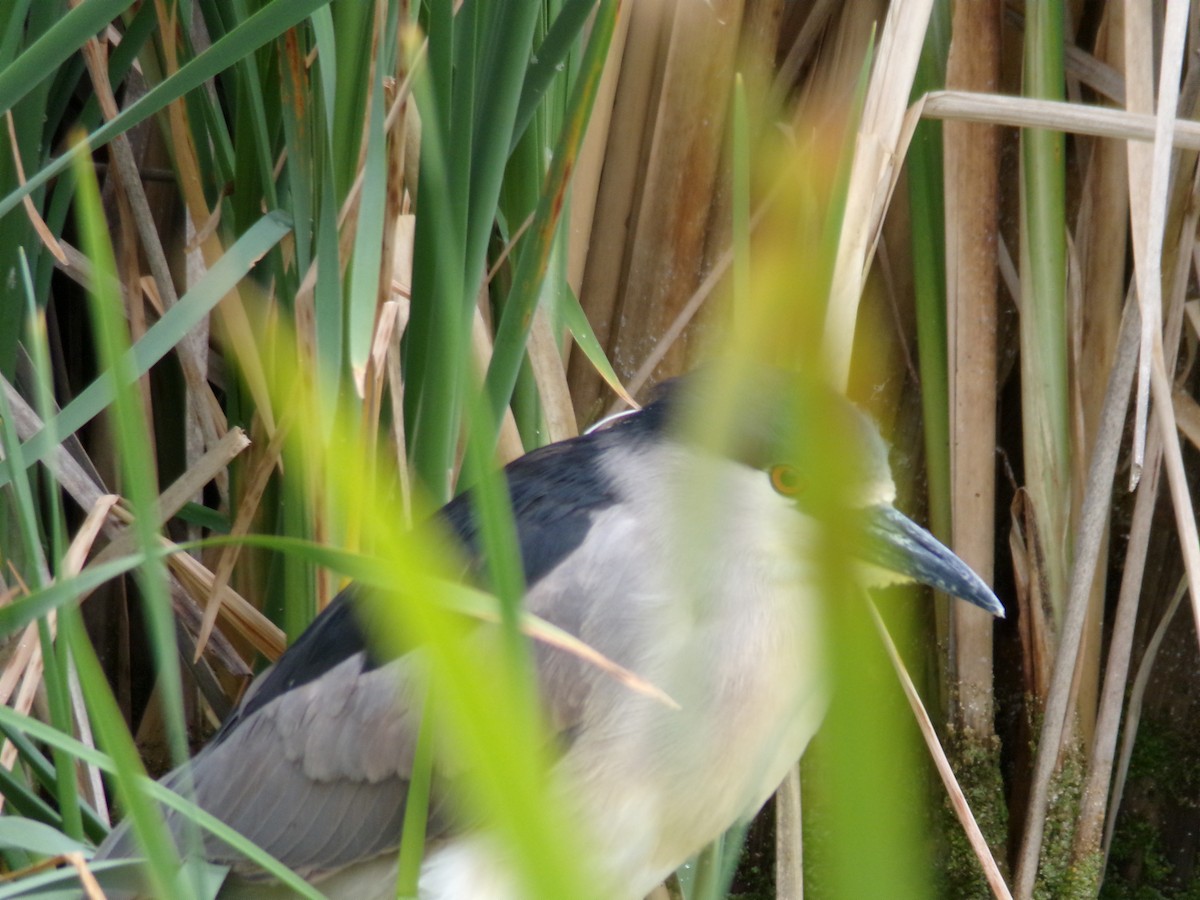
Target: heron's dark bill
x: 898, y: 544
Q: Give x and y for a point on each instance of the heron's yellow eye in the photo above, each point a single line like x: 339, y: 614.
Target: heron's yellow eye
x: 786, y: 480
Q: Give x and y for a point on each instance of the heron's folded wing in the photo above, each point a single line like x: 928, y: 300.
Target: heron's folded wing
x: 317, y: 775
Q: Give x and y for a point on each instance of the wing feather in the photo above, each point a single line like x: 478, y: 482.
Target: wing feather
x: 319, y: 776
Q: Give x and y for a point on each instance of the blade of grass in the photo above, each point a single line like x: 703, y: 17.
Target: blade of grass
x: 264, y: 26
x: 1074, y: 118
x: 43, y: 58
x: 616, y: 173
x: 26, y: 801
x: 872, y: 172
x: 138, y: 470
x: 110, y: 728
x: 1148, y: 208
x: 1096, y: 788
x: 58, y: 671
x: 434, y: 342
x: 196, y: 581
x: 13, y: 467
x: 585, y: 339
x: 363, y: 291
x: 549, y: 60
x: 152, y: 789
x: 416, y: 808
x: 1150, y: 298
x: 1043, y: 318
x: 60, y: 593
x: 163, y: 336
x: 518, y: 313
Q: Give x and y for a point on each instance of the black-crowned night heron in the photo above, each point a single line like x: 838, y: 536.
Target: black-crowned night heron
x: 313, y: 764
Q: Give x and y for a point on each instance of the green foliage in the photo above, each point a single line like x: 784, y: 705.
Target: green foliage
x: 927, y: 208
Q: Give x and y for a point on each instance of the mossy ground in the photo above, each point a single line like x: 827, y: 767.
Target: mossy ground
x: 1154, y: 845
x: 976, y: 762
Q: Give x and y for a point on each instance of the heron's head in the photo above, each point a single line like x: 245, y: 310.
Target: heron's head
x: 823, y: 454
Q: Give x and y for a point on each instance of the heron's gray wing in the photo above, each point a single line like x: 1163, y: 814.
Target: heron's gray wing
x: 313, y: 765
x: 318, y: 776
